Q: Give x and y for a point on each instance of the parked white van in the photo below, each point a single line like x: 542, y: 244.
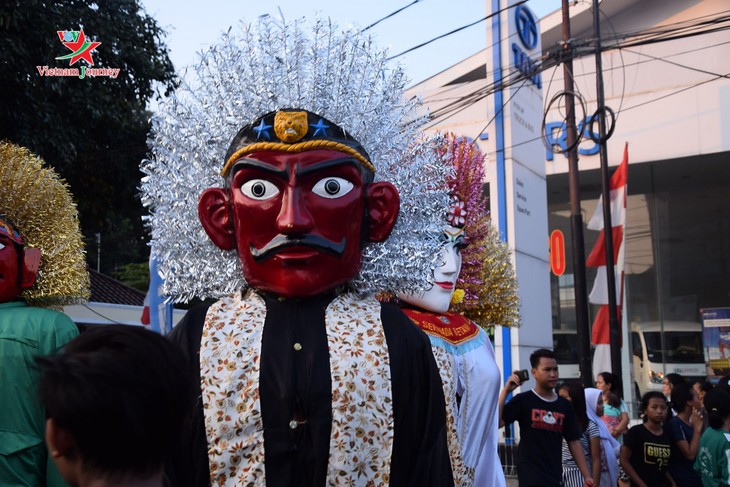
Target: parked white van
x: 565, y: 346
x: 681, y: 353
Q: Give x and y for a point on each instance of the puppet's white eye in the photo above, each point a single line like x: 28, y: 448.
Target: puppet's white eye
x: 332, y: 187
x: 259, y: 189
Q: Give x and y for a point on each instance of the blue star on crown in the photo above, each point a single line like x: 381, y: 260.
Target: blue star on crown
x: 319, y: 127
x: 262, y: 129
x: 10, y: 232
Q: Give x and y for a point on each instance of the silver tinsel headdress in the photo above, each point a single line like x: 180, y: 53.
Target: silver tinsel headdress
x: 268, y: 66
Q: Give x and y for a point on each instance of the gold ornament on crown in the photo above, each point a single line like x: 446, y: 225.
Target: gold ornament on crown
x: 39, y: 203
x: 290, y: 126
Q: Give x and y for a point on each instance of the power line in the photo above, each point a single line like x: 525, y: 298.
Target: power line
x: 501, y: 108
x: 483, y: 92
x: 437, y: 38
x: 105, y: 317
x: 455, y: 30
x: 663, y: 35
x: 623, y: 66
x: 651, y: 36
x: 554, y: 59
x: 654, y: 33
x: 390, y: 15
x: 664, y: 60
x: 639, y: 105
x: 652, y: 58
x: 617, y: 112
x: 678, y: 91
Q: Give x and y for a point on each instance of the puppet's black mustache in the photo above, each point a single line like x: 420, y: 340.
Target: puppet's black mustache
x: 282, y: 241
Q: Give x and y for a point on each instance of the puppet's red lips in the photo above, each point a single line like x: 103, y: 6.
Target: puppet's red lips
x: 296, y: 253
x: 445, y: 284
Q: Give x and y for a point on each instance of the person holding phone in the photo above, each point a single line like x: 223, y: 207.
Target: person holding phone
x: 523, y: 375
x: 545, y: 419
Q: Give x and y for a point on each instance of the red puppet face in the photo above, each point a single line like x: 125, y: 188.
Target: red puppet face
x: 9, y: 269
x: 18, y: 264
x: 298, y: 219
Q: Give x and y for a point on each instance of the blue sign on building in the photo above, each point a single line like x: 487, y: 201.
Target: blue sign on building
x: 529, y: 35
x: 556, y: 135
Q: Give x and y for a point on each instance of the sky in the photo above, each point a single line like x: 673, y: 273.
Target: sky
x: 193, y: 25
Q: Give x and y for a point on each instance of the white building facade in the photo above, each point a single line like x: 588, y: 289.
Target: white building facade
x: 667, y: 80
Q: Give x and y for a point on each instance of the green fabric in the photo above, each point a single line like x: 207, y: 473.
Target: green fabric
x: 713, y: 458
x: 21, y: 468
x: 25, y: 332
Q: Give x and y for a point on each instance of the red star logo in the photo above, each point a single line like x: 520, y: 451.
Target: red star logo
x: 80, y: 48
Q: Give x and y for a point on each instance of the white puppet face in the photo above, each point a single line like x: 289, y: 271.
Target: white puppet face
x: 438, y: 298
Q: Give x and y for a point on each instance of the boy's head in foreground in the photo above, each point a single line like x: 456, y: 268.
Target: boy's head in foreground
x: 115, y: 400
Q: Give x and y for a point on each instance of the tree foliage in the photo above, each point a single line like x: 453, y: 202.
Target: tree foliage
x: 136, y: 275
x: 93, y: 131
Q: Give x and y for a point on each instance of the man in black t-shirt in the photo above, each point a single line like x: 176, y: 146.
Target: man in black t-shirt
x: 544, y: 419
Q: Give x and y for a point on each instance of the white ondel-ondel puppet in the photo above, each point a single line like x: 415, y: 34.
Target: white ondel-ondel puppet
x: 475, y: 279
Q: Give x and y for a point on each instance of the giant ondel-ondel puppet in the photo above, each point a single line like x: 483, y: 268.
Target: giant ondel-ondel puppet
x: 42, y: 267
x: 287, y: 181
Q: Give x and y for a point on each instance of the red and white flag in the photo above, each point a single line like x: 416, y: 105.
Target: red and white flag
x: 597, y: 258
x: 157, y: 313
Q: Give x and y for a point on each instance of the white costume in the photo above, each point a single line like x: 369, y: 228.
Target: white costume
x: 471, y: 381
x: 465, y: 355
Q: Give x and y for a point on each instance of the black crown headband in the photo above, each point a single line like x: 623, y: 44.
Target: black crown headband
x: 292, y: 130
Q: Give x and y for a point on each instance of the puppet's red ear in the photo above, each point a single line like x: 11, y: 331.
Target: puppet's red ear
x: 31, y: 262
x: 383, y: 207
x: 216, y: 219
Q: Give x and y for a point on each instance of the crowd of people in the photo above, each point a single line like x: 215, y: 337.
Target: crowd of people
x: 683, y: 439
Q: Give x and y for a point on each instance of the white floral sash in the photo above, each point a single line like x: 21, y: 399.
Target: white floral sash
x: 361, y: 439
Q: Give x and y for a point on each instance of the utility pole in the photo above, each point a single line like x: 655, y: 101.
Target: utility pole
x: 98, y: 252
x: 576, y: 217
x: 614, y: 330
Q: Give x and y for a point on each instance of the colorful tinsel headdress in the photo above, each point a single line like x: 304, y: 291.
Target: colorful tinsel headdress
x: 265, y: 67
x: 487, y: 277
x: 10, y: 230
x: 40, y: 205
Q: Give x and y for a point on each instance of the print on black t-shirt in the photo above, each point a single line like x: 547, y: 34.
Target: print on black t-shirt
x: 548, y: 420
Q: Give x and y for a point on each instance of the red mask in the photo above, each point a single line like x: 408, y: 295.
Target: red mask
x: 297, y: 219
x: 16, y: 275
x: 9, y: 268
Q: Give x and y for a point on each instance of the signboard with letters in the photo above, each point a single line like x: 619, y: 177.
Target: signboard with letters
x: 716, y: 340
